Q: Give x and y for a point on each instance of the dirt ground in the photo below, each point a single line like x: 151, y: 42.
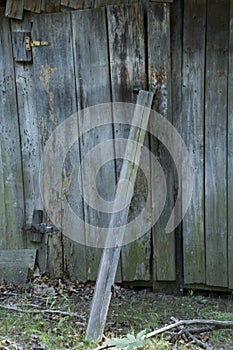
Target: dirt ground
x: 53, y: 315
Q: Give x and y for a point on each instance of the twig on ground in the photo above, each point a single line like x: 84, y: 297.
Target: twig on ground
x: 200, y: 330
x: 186, y: 334
x: 213, y: 323
x: 181, y: 326
x: 199, y: 342
x: 102, y: 347
x: 28, y: 305
x: 57, y: 312
x: 6, y: 293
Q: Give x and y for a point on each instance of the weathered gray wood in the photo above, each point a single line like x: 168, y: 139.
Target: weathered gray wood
x: 50, y: 5
x: 128, y: 70
x: 93, y: 88
x: 131, y: 1
x: 3, y: 219
x: 176, y: 108
x: 19, y: 47
x: 110, y: 257
x: 193, y: 135
x: 31, y: 144
x: 230, y: 152
x: 168, y: 1
x: 77, y: 4
x: 99, y: 3
x: 37, y: 218
x: 56, y: 101
x: 12, y: 200
x: 32, y: 5
x: 159, y: 74
x: 15, y: 265
x: 215, y: 143
x: 126, y: 44
x: 14, y: 9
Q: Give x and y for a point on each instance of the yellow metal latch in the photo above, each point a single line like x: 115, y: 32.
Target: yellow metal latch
x: 32, y: 43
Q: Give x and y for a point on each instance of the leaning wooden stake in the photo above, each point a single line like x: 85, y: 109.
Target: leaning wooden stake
x: 124, y: 193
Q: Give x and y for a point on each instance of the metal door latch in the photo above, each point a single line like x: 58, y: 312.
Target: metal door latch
x: 32, y: 43
x: 42, y: 228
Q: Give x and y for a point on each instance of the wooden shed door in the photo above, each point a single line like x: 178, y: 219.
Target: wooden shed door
x: 99, y: 56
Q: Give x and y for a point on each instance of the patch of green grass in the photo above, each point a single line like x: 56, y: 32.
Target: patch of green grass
x: 56, y: 333
x: 128, y: 314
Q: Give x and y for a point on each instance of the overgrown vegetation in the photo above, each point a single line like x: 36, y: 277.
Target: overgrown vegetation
x: 53, y: 315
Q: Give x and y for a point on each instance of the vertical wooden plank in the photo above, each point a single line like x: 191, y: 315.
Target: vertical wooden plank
x: 19, y: 47
x: 126, y: 47
x: 14, y: 9
x: 93, y: 88
x: 29, y: 128
x: 176, y: 108
x: 56, y: 101
x: 128, y: 70
x: 31, y: 140
x: 215, y: 142
x: 230, y: 151
x: 3, y: 218
x: 159, y: 65
x: 12, y: 202
x: 193, y: 135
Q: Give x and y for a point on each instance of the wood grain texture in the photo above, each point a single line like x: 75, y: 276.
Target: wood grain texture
x: 124, y: 194
x: 32, y: 5
x: 12, y: 200
x: 159, y: 75
x: 50, y: 5
x: 29, y: 128
x: 31, y: 145
x: 15, y: 265
x: 193, y: 135
x: 100, y: 3
x: 19, y: 46
x: 215, y: 142
x: 126, y: 47
x: 77, y: 4
x: 176, y: 108
x: 14, y: 9
x: 93, y: 88
x: 230, y: 151
x: 128, y: 70
x: 56, y: 101
x: 168, y: 1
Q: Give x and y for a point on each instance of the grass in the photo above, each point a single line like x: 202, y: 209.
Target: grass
x: 130, y: 313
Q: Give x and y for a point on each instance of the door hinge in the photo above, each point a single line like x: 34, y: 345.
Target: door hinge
x: 32, y: 43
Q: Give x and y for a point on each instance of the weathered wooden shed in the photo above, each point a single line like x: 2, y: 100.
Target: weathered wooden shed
x: 183, y: 51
